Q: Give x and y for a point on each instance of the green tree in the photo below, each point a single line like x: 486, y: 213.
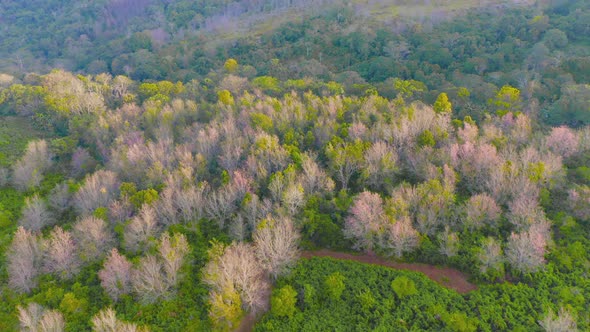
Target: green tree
x: 335, y: 285
x: 403, y: 286
x: 442, y: 104
x: 231, y: 65
x: 506, y: 100
x: 283, y: 302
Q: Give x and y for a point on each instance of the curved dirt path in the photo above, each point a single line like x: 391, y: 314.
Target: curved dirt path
x: 445, y: 276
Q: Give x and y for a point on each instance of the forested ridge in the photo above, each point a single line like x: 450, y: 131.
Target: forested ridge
x: 168, y: 181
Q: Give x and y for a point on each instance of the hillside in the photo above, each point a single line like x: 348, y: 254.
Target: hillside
x: 180, y: 165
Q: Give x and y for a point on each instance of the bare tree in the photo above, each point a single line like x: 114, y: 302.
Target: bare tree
x: 293, y: 198
x: 148, y: 280
x: 23, y: 261
x: 141, y: 228
x: 98, y: 190
x: 525, y: 211
x: 60, y: 254
x: 490, y: 256
x: 313, y: 177
x: 579, y: 202
x: 380, y: 165
x: 93, y: 238
x: 173, y: 251
x: 60, y: 198
x: 35, y: 318
x: 52, y: 321
x: 449, y: 242
x: 275, y: 241
x: 28, y: 171
x: 563, y: 141
x: 106, y: 321
x: 525, y: 251
x: 35, y: 215
x: 365, y: 220
x: 30, y: 316
x: 115, y: 276
x: 481, y: 210
x: 400, y: 237
x: 236, y: 267
x: 563, y: 322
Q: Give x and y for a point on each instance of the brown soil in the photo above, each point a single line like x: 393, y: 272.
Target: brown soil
x: 247, y: 324
x: 445, y: 276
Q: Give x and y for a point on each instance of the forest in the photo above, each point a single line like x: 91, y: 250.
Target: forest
x: 165, y: 171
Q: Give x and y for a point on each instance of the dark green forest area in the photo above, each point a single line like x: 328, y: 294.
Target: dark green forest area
x: 163, y: 164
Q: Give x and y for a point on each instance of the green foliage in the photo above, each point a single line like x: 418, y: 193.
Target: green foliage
x: 283, y: 301
x: 426, y: 139
x: 148, y: 196
x: 403, y: 286
x: 225, y: 97
x: 507, y: 99
x: 442, y: 104
x: 335, y: 285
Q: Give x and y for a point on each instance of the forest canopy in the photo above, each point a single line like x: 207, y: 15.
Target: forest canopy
x: 166, y: 179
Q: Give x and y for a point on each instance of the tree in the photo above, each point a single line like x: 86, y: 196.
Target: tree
x: 148, y: 280
x: 403, y: 287
x: 491, y: 261
x: 449, y: 242
x: 106, y: 321
x: 141, y: 229
x: 93, y: 238
x: 506, y: 100
x: 381, y: 165
x: 313, y: 177
x: 525, y: 251
x: 60, y: 254
x: 36, y: 318
x: 563, y: 322
x: 231, y: 65
x: 400, y: 237
x: 283, y: 302
x: 481, y: 210
x: 563, y: 141
x: 442, y: 104
x: 345, y: 159
x: 234, y: 269
x: 28, y: 171
x: 275, y: 242
x: 115, y: 276
x: 35, y: 215
x: 173, y: 250
x: 23, y: 261
x: 335, y: 286
x: 98, y: 190
x: 365, y: 220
